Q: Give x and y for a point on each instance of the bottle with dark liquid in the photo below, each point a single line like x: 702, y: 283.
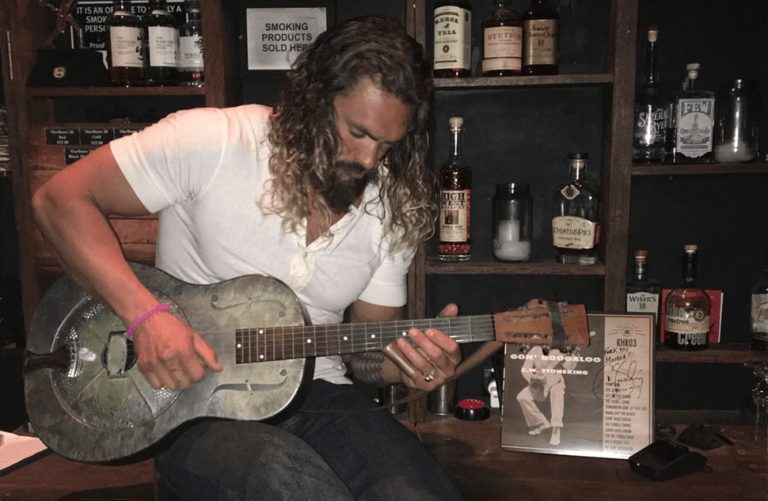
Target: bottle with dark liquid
x: 650, y: 134
x: 191, y: 67
x: 502, y: 41
x: 125, y: 39
x: 576, y: 218
x: 687, y: 319
x: 643, y: 292
x: 455, y: 196
x: 540, y: 26
x: 162, y: 44
x: 452, y: 39
x: 759, y: 313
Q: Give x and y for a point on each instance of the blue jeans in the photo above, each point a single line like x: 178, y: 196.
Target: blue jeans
x: 336, y: 447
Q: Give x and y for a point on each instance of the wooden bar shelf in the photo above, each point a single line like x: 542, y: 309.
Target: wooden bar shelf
x: 524, y: 81
x: 699, y: 169
x: 490, y: 267
x: 715, y: 354
x: 50, y: 92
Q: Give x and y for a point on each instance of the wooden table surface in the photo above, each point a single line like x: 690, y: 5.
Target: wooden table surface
x: 472, y: 455
x: 483, y: 471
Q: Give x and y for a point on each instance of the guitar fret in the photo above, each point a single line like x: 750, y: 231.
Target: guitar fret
x: 289, y: 342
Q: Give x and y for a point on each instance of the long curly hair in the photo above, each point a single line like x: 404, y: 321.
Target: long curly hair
x: 304, y: 135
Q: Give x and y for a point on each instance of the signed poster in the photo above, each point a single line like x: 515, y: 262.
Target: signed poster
x: 595, y: 400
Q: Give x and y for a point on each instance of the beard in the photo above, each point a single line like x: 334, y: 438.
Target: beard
x: 346, y: 183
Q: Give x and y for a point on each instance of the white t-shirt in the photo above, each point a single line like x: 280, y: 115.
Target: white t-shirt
x: 204, y: 171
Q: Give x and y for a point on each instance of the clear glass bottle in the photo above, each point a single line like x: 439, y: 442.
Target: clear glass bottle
x: 512, y: 222
x: 576, y: 218
x: 452, y: 39
x: 540, y: 32
x: 687, y: 309
x: 650, y: 141
x: 759, y: 313
x: 502, y: 41
x: 162, y: 44
x: 125, y: 41
x: 693, y: 121
x: 191, y: 71
x: 737, y: 121
x: 455, y: 197
x: 643, y: 292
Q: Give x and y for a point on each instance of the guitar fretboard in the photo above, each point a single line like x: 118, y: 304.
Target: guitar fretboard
x: 265, y: 344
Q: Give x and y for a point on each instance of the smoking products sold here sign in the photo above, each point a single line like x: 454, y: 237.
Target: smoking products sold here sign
x: 276, y: 37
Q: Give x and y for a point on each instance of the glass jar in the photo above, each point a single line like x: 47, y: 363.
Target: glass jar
x: 737, y: 121
x: 512, y: 222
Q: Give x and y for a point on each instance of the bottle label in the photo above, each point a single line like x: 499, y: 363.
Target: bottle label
x: 570, y: 232
x: 643, y: 302
x: 454, y: 215
x: 163, y: 42
x: 191, y: 52
x: 452, y: 38
x: 650, y: 125
x: 125, y: 47
x: 687, y: 320
x: 760, y: 316
x: 694, y: 126
x: 541, y: 42
x: 503, y: 48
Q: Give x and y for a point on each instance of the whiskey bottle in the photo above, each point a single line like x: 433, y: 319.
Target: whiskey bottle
x: 452, y: 39
x: 191, y: 67
x: 540, y: 27
x: 455, y: 196
x: 693, y: 121
x: 643, y: 292
x: 576, y: 218
x: 650, y: 140
x: 687, y: 308
x: 502, y: 41
x: 125, y: 39
x: 759, y: 313
x: 162, y: 44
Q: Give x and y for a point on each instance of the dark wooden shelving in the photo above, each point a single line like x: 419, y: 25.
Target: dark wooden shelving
x: 699, y: 169
x: 488, y: 267
x: 525, y: 81
x: 715, y: 354
x: 114, y: 91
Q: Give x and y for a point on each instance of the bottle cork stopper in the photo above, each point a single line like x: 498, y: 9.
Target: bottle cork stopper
x: 455, y: 122
x: 691, y: 248
x: 653, y: 34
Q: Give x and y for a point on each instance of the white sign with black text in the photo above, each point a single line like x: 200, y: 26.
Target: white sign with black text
x: 276, y: 37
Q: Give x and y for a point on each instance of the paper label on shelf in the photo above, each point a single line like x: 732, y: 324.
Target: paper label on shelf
x: 695, y: 125
x: 569, y: 232
x: 452, y: 48
x: 760, y: 313
x: 541, y: 42
x: 126, y: 47
x: 454, y: 215
x: 643, y: 302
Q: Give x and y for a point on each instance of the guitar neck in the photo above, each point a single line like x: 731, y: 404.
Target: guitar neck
x: 283, y: 343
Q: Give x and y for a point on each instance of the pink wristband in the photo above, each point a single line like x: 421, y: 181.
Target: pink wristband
x: 135, y: 325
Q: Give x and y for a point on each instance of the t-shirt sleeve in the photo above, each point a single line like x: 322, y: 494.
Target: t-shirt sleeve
x: 388, y: 286
x: 175, y: 159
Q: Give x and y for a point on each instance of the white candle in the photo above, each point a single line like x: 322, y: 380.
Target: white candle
x: 733, y: 152
x: 508, y: 230
x: 512, y: 251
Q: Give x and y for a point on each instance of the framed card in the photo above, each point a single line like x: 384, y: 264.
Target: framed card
x: 593, y: 401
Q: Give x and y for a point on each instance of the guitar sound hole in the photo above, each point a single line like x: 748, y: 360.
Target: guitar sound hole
x: 130, y: 355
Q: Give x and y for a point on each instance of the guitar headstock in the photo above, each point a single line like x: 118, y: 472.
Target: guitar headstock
x: 553, y: 324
